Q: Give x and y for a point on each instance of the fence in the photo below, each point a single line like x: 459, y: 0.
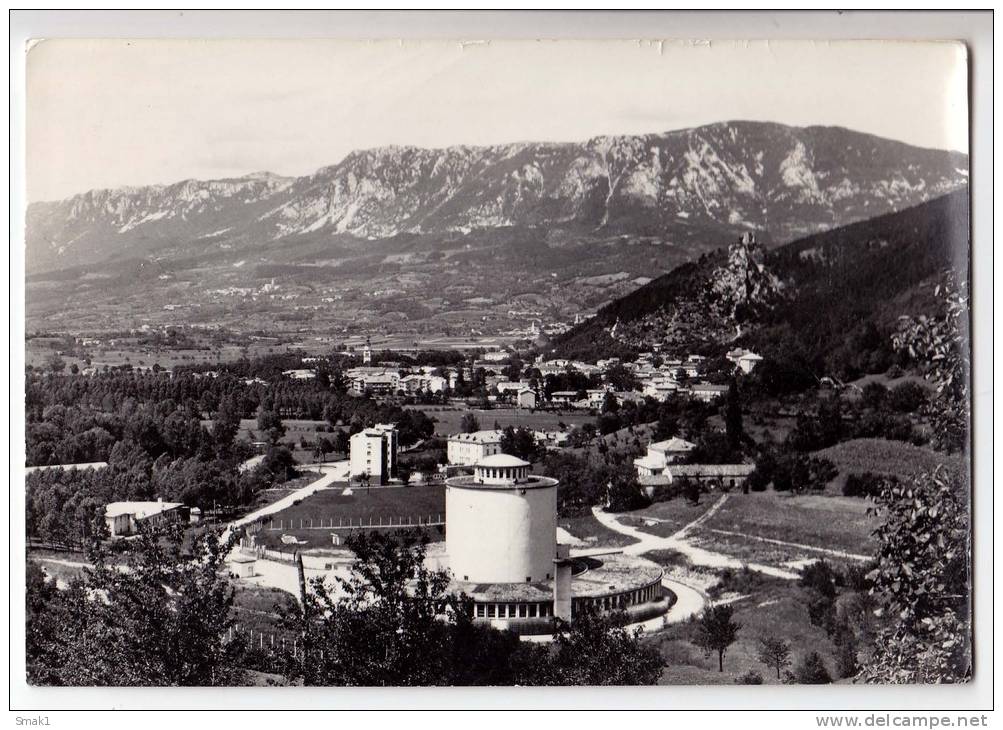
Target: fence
x: 353, y: 524
x: 265, y: 640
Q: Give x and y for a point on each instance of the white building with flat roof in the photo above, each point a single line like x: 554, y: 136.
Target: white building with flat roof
x: 468, y: 449
x: 373, y: 453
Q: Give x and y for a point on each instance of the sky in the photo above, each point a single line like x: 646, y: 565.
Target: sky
x: 111, y: 113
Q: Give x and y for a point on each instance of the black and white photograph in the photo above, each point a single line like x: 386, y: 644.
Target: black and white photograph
x: 521, y: 363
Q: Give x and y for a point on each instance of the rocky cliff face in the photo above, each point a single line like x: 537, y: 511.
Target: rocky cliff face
x: 736, y: 176
x: 743, y: 287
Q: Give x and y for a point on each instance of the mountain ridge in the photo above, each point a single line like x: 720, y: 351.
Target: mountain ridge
x: 740, y: 175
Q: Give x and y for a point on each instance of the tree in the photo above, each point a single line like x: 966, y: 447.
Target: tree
x: 519, y: 442
x: 733, y: 418
x: 922, y: 581
x: 907, y: 397
x: 621, y: 378
x: 667, y: 425
x: 874, y: 395
x: 383, y: 629
x: 716, y: 632
x: 690, y: 488
x: 775, y: 653
x: 279, y: 463
x: 341, y: 441
x: 469, y: 423
x: 597, y: 650
x: 162, y: 621
x: 846, y: 656
x: 812, y: 670
x: 940, y: 346
x: 270, y: 422
x: 226, y: 424
x: 624, y: 492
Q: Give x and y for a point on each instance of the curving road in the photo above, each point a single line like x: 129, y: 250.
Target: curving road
x: 331, y: 471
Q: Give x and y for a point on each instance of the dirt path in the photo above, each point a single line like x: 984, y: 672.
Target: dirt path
x: 680, y: 534
x: 677, y: 542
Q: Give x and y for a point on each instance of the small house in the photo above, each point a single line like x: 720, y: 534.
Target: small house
x: 241, y: 565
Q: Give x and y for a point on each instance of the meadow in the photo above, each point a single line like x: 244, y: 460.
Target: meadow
x: 448, y: 418
x: 323, y: 513
x: 886, y: 457
x: 836, y: 523
x: 777, y: 608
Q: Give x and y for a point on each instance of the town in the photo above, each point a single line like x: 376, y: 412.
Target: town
x: 415, y: 363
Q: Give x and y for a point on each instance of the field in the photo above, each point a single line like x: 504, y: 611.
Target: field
x: 778, y: 533
x: 830, y: 523
x: 268, y: 496
x: 448, y: 418
x: 364, y: 506
x: 589, y: 530
x: 665, y: 518
x: 629, y: 440
x: 38, y: 350
x: 882, y: 456
x: 838, y: 523
x: 778, y: 609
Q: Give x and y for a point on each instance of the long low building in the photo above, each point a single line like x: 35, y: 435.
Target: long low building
x: 723, y: 475
x: 613, y: 582
x: 125, y: 518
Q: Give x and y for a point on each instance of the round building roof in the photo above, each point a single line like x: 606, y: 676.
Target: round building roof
x: 501, y: 460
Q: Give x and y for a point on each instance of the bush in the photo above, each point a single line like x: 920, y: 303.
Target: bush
x: 820, y: 577
x: 907, y: 397
x: 750, y: 677
x: 812, y: 670
x: 742, y: 581
x: 855, y: 577
x: 846, y: 653
x: 874, y: 395
x: 863, y: 485
x: 822, y: 612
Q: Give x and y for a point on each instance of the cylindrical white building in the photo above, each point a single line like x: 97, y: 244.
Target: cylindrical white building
x: 501, y: 523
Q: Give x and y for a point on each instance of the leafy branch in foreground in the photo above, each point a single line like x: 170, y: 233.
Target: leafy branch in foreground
x: 923, y: 581
x: 158, y: 619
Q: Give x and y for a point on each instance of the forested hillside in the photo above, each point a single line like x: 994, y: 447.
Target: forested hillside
x: 842, y: 294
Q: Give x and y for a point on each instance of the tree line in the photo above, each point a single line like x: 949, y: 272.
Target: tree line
x: 166, y: 618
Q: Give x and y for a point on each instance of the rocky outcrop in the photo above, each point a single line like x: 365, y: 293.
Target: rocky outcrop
x: 743, y: 288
